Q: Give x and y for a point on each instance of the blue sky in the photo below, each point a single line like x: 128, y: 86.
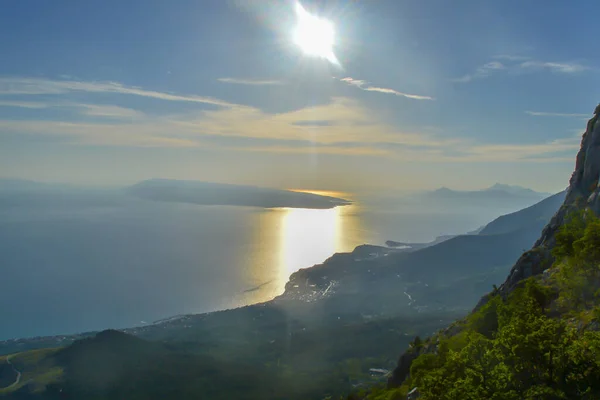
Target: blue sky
x: 426, y: 94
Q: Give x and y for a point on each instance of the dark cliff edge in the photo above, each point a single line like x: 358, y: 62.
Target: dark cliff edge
x: 583, y: 192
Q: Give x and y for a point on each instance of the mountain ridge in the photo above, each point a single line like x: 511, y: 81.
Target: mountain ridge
x: 497, y: 189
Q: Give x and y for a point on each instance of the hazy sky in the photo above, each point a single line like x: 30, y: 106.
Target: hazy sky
x: 427, y: 93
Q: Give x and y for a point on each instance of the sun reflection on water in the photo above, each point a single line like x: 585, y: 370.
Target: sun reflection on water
x: 295, y: 238
x: 308, y: 237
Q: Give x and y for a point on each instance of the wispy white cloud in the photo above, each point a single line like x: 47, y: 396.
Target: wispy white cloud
x: 251, y: 82
x: 364, y: 85
x: 511, y: 57
x: 22, y: 104
x: 395, y: 92
x: 108, y: 111
x: 553, y: 114
x: 521, y: 152
x: 520, y: 64
x: 94, y: 110
x: 356, y: 82
x: 38, y: 86
x: 482, y: 72
x: 564, y: 68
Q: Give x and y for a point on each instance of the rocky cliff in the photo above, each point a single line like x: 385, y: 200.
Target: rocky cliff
x: 583, y: 192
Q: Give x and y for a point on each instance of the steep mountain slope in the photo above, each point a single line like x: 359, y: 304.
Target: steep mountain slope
x: 582, y: 194
x: 537, y: 215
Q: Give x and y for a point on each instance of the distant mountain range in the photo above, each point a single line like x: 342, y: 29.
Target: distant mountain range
x: 515, y: 189
x: 497, y: 191
x: 499, y: 196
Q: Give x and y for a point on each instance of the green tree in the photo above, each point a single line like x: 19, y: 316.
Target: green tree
x: 571, y: 230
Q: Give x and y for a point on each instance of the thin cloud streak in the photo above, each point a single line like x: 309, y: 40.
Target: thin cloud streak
x: 565, y: 68
x: 511, y: 57
x: 481, y: 72
x: 108, y: 111
x: 355, y: 82
x: 23, y: 104
x: 520, y: 64
x: 364, y: 85
x: 251, y: 82
x: 37, y: 86
x: 93, y: 110
x: 552, y: 114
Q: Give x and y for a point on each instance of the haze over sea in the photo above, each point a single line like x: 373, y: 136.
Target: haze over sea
x: 75, y: 270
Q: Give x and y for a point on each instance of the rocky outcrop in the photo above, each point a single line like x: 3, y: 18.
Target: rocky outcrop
x: 403, y: 368
x: 583, y: 192
x: 532, y: 262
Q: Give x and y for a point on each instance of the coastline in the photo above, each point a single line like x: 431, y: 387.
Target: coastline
x: 59, y: 340
x: 297, y: 289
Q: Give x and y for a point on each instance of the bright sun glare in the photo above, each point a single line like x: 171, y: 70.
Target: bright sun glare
x: 314, y: 35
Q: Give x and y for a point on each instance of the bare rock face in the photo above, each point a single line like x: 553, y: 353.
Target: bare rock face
x: 583, y: 192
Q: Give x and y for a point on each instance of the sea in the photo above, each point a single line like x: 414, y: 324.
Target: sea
x: 73, y: 270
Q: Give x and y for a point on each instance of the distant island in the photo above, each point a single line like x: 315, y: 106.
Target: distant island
x: 208, y: 193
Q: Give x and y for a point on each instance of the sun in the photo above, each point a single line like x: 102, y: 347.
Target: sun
x: 315, y: 36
